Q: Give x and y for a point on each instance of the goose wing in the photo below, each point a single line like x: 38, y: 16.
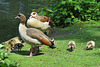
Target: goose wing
x: 37, y: 34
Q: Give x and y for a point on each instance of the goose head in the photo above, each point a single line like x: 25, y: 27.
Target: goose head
x: 21, y: 17
x: 34, y: 14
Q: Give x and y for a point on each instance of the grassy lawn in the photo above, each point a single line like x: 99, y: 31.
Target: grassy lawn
x: 81, y: 33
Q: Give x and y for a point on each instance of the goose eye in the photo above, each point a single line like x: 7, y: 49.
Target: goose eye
x: 19, y: 15
x: 34, y: 13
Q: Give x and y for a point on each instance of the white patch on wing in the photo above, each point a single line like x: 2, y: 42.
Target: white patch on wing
x: 46, y: 22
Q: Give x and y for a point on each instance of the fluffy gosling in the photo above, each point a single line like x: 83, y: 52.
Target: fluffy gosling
x: 18, y: 46
x: 90, y: 44
x: 71, y: 44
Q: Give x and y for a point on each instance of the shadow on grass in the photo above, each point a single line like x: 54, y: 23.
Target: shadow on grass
x: 52, y: 47
x: 26, y: 53
x: 70, y: 50
x: 90, y: 49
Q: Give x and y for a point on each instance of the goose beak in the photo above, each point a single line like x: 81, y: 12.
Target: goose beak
x: 32, y: 16
x: 16, y: 17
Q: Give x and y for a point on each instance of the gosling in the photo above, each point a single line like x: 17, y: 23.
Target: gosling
x: 90, y: 44
x: 18, y: 46
x: 71, y: 45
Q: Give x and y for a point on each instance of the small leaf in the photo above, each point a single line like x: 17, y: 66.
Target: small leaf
x: 1, y: 45
x: 7, y: 62
x: 75, y: 20
x: 2, y: 55
x: 49, y: 10
x: 71, y: 13
x: 72, y: 16
x: 63, y: 2
x: 68, y: 20
x: 5, y: 55
x: 89, y: 11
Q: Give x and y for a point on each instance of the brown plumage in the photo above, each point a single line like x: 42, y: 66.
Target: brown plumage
x: 42, y: 23
x: 38, y: 35
x: 32, y: 36
x: 41, y: 18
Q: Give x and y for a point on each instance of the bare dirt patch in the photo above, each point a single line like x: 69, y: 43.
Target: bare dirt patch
x: 61, y: 33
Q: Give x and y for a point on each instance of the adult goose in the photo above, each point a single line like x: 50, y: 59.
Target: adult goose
x: 43, y: 19
x: 42, y: 23
x: 32, y: 36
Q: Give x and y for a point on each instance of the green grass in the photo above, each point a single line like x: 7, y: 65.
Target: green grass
x: 60, y: 56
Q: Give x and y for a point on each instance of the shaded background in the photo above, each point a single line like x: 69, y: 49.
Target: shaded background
x: 9, y: 9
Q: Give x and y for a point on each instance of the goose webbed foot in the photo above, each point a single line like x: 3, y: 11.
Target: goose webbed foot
x: 31, y: 52
x: 35, y: 51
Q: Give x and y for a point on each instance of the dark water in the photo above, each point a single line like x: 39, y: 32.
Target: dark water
x: 9, y: 9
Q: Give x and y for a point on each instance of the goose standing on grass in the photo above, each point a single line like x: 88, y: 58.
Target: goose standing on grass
x: 32, y: 36
x: 42, y: 23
